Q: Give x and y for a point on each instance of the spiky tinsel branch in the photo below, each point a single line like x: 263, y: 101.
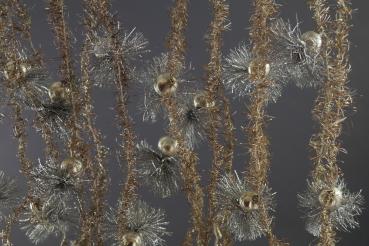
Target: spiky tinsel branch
x: 188, y: 158
x: 259, y: 164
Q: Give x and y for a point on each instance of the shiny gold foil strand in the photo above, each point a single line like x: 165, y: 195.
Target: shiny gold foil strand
x: 258, y: 142
x: 334, y: 97
x: 92, y: 225
x: 128, y: 193
x: 15, y: 21
x: 176, y: 43
x: 57, y: 19
x: 221, y: 155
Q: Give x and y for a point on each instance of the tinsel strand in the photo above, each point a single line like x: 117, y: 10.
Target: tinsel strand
x: 258, y: 142
x: 192, y: 187
x: 128, y: 194
x: 334, y: 98
x: 56, y: 10
x: 214, y: 78
x: 97, y: 170
x: 18, y: 24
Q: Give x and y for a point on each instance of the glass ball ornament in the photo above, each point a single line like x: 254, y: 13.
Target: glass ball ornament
x: 131, y: 239
x: 255, y: 66
x: 165, y: 84
x: 57, y: 92
x: 312, y: 41
x: 249, y: 201
x: 200, y: 100
x: 72, y: 166
x: 331, y: 197
x: 168, y: 146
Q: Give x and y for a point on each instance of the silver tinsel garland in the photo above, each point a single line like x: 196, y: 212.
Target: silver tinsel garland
x: 242, y: 220
x: 49, y: 217
x: 9, y: 195
x: 159, y: 172
x: 344, y: 210
x: 145, y: 226
x: 133, y: 45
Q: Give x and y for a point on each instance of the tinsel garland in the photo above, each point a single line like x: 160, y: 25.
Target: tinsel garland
x: 66, y: 191
x: 335, y: 207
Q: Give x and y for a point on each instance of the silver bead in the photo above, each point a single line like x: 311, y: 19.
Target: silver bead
x: 165, y: 84
x: 249, y: 201
x: 312, y: 41
x: 168, y: 146
x: 72, y: 165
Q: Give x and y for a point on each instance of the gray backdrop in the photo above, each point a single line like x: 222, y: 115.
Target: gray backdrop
x: 289, y: 131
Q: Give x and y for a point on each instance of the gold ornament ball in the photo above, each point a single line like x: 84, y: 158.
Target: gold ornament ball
x: 331, y: 197
x: 57, y: 92
x: 72, y: 166
x: 256, y: 66
x: 17, y: 71
x: 249, y: 201
x: 201, y: 101
x: 168, y: 146
x: 165, y: 84
x: 312, y: 40
x: 132, y: 239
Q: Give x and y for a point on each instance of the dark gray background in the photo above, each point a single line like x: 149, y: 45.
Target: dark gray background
x: 289, y: 131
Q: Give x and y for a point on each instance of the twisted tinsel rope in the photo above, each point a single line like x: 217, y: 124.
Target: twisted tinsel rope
x: 333, y: 99
x: 258, y: 142
x: 93, y: 224
x: 221, y: 155
x: 128, y: 194
x: 189, y: 159
x: 56, y: 10
x: 12, y: 11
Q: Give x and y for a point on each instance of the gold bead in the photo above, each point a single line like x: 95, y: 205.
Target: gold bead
x: 201, y: 101
x: 165, y: 83
x: 72, y: 166
x: 168, y: 146
x: 312, y: 41
x: 17, y: 71
x: 249, y: 201
x: 256, y: 66
x: 57, y: 92
x: 132, y: 239
x: 35, y: 205
x: 330, y: 197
